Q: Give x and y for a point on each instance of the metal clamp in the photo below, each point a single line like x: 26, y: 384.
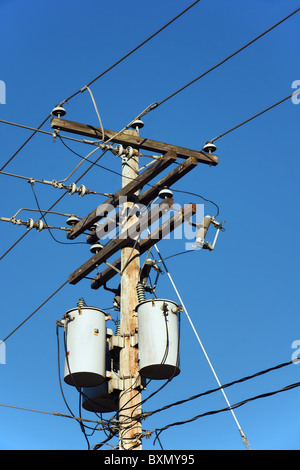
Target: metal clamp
x: 115, y: 342
x: 118, y: 341
x: 123, y: 383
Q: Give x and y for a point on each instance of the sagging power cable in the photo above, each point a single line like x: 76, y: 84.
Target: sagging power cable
x: 99, y: 76
x: 229, y: 384
x: 229, y: 408
x: 227, y: 58
x: 244, y: 438
x: 255, y: 116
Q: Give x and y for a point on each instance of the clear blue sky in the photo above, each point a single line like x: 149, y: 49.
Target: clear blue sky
x: 242, y: 298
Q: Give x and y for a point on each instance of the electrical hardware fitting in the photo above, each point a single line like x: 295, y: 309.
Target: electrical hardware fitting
x: 202, y: 231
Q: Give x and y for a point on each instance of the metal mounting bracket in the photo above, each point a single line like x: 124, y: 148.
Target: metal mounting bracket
x: 118, y: 341
x: 123, y: 383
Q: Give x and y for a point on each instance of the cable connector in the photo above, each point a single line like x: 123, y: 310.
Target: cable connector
x: 64, y: 321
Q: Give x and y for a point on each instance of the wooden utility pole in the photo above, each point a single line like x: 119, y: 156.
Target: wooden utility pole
x: 129, y: 383
x: 130, y: 398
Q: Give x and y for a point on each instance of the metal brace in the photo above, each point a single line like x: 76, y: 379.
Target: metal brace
x: 123, y: 383
x: 118, y: 341
x: 115, y: 342
x: 134, y: 340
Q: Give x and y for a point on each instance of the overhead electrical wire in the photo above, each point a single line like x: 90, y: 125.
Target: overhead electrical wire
x: 227, y: 58
x: 48, y: 228
x: 244, y: 438
x: 214, y: 390
x: 84, y: 158
x: 115, y: 172
x: 97, y: 112
x: 229, y: 408
x: 35, y: 311
x: 92, y: 164
x: 53, y: 413
x: 186, y: 192
x: 25, y: 233
x: 99, y: 76
x: 159, y: 430
x: 13, y: 245
x: 219, y: 136
x: 130, y: 53
x: 157, y: 104
x: 56, y: 202
x: 148, y: 184
x: 51, y: 134
x: 23, y: 145
x: 214, y: 139
x: 200, y: 76
x: 236, y: 405
x: 201, y: 197
x: 54, y: 183
x: 135, y: 49
x: 255, y: 116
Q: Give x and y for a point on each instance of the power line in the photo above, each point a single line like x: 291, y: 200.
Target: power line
x: 53, y: 413
x: 36, y: 310
x: 253, y: 117
x: 23, y: 126
x: 88, y: 169
x: 180, y: 191
x: 148, y: 184
x: 155, y: 105
x: 97, y: 112
x: 13, y: 245
x: 115, y: 172
x: 99, y: 76
x: 57, y: 184
x: 201, y: 197
x: 56, y: 202
x: 131, y: 52
x: 48, y: 228
x: 245, y: 440
x: 230, y: 384
x: 229, y: 408
x: 23, y: 145
x: 135, y: 49
x: 226, y: 59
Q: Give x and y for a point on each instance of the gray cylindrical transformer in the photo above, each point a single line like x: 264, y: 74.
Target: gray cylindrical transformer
x: 86, y: 347
x: 158, y: 332
x: 98, y: 400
